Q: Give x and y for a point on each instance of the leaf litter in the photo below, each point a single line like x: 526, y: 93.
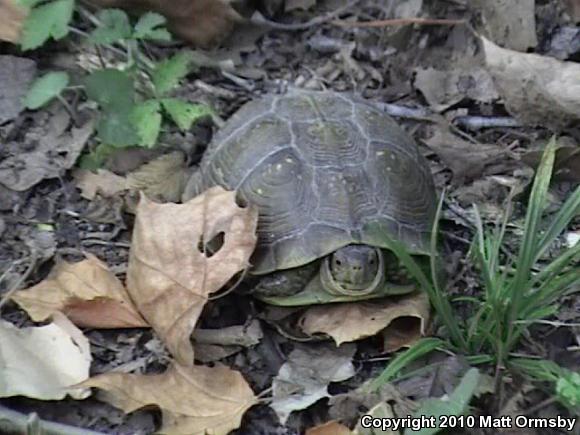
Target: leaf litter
x: 169, y: 281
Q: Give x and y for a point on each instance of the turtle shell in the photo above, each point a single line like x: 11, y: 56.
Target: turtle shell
x: 325, y: 170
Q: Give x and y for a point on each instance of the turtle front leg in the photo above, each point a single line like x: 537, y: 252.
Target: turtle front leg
x: 285, y: 282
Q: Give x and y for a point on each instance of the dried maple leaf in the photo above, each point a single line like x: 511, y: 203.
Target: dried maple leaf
x: 11, y: 18
x: 353, y: 321
x: 169, y: 278
x: 193, y: 400
x: 199, y: 22
x: 87, y: 292
x: 329, y: 428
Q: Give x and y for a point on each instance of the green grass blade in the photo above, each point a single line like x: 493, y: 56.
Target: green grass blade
x: 403, y: 359
x: 567, y: 212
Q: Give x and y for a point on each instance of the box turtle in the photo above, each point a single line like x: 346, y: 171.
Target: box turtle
x: 331, y: 175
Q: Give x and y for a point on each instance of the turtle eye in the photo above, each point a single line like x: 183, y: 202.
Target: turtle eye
x: 372, y: 261
x: 338, y: 262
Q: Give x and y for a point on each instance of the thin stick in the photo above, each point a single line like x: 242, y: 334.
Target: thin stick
x: 400, y: 22
x: 262, y: 21
x: 6, y: 297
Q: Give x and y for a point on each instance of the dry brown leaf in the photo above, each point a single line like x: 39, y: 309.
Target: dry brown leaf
x: 538, y: 90
x: 103, y: 181
x: 193, y: 400
x: 329, y: 428
x: 169, y: 278
x: 87, y: 292
x: 12, y: 17
x: 353, y: 321
x: 162, y: 179
x: 199, y: 22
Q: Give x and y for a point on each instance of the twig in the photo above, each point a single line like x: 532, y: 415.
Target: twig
x: 396, y: 110
x: 480, y: 122
x: 16, y: 422
x: 400, y: 22
x: 6, y: 297
x: 260, y: 20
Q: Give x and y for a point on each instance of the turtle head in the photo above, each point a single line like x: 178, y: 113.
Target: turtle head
x: 353, y: 270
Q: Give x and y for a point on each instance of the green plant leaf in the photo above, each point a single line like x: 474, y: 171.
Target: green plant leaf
x: 45, y: 89
x: 168, y: 73
x: 146, y: 119
x: 114, y: 27
x: 568, y: 388
x: 116, y: 129
x: 456, y: 404
x: 184, y: 114
x: 97, y: 157
x: 152, y: 26
x: 46, y: 21
x: 111, y: 88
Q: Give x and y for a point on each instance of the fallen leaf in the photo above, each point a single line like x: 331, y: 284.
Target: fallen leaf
x: 12, y: 17
x: 199, y: 22
x: 381, y: 410
x: 509, y: 23
x: 43, y: 362
x: 87, y: 292
x: 466, y: 160
x: 169, y: 278
x: 304, y: 378
x: 538, y: 90
x: 102, y: 181
x: 161, y: 179
x: 193, y: 400
x: 444, y: 88
x: 573, y: 7
x: 353, y: 321
x: 55, y: 152
x: 329, y: 428
x: 16, y: 75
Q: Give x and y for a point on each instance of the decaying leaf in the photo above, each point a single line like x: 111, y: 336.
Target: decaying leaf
x: 193, y: 400
x: 16, y: 75
x: 353, y: 321
x: 329, y: 428
x: 444, y: 88
x: 380, y: 410
x: 102, y: 181
x: 304, y: 5
x: 87, y: 292
x: 169, y: 277
x: 304, y: 378
x: 466, y: 160
x: 199, y: 22
x: 12, y: 17
x: 538, y: 90
x: 43, y: 362
x: 161, y: 179
x: 566, y: 166
x: 509, y: 23
x: 56, y: 152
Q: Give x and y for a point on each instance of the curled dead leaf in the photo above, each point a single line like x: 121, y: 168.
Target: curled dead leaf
x: 538, y: 90
x: 87, y: 292
x: 102, y: 181
x: 169, y: 278
x: 353, y: 321
x: 193, y: 400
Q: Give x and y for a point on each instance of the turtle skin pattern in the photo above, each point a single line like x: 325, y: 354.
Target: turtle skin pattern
x: 325, y: 170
